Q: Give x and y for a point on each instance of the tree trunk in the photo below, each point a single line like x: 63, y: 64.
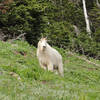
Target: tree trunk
x: 86, y: 18
x: 97, y: 2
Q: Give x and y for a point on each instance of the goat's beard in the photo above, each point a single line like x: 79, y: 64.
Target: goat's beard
x: 43, y: 49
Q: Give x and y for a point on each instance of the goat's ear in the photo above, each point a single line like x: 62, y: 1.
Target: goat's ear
x: 45, y: 38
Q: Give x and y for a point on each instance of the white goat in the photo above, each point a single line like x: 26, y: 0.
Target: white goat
x: 48, y: 57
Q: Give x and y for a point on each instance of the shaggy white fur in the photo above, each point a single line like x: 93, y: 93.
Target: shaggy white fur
x: 48, y: 57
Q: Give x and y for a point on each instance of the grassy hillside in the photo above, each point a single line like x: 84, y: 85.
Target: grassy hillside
x: 21, y: 77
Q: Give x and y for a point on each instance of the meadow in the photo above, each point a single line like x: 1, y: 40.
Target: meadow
x: 21, y: 77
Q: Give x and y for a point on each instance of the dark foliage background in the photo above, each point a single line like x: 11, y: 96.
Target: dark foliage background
x: 54, y: 19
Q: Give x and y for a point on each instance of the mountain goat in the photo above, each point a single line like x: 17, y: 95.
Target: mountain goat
x: 48, y: 57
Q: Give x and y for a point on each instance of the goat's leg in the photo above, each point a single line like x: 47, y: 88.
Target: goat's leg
x: 50, y: 67
x: 60, y: 69
x: 42, y: 66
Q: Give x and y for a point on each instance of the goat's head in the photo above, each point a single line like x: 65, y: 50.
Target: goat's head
x: 42, y: 44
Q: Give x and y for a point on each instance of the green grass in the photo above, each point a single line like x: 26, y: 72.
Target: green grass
x: 81, y: 80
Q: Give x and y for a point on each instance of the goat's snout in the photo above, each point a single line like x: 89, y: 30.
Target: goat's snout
x: 44, y: 46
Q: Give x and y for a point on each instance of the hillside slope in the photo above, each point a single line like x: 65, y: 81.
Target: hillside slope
x: 21, y: 77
